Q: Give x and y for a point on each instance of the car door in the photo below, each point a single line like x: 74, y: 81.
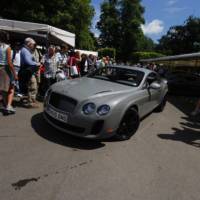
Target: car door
x: 152, y: 96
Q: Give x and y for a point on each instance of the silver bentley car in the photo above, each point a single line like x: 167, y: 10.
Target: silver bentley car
x: 109, y: 102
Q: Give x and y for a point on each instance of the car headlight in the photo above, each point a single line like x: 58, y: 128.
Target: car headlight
x: 103, y: 110
x: 89, y: 108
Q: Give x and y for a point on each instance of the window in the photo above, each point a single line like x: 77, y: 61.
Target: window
x: 119, y: 75
x: 152, y: 77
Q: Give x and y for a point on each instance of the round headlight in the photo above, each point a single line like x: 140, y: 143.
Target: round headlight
x: 103, y: 110
x: 89, y: 108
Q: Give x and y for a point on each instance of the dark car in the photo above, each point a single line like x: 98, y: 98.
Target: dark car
x: 183, y: 83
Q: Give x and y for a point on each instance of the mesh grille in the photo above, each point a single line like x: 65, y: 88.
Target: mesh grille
x: 62, y: 102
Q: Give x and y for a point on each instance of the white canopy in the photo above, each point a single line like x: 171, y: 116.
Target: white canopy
x: 94, y: 53
x: 42, y: 33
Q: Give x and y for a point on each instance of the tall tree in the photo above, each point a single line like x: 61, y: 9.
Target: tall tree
x: 82, y: 14
x: 145, y: 44
x: 183, y: 38
x: 120, y: 26
x: 109, y: 24
x: 131, y: 20
x: 71, y: 15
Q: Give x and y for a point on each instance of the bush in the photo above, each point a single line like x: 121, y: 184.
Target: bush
x: 137, y: 56
x: 111, y: 52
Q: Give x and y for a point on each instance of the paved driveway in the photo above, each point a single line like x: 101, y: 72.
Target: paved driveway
x: 161, y: 162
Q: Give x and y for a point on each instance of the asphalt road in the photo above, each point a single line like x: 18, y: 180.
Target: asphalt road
x: 161, y: 162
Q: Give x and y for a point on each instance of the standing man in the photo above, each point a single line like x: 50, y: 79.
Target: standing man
x: 50, y: 66
x: 29, y: 69
x: 62, y: 57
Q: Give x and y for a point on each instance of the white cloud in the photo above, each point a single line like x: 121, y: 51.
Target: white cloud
x: 153, y: 28
x: 172, y: 7
x: 174, y: 10
x: 96, y: 33
x: 172, y: 2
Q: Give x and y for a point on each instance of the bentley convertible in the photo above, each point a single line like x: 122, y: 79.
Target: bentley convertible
x: 107, y: 103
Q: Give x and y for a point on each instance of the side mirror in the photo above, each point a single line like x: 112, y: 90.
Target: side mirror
x: 155, y: 86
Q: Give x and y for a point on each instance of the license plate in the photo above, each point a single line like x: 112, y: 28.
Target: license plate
x: 59, y: 116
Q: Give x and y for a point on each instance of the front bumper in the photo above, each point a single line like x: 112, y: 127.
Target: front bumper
x: 84, y: 126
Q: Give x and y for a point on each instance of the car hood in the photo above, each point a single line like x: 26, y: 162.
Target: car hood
x: 87, y: 88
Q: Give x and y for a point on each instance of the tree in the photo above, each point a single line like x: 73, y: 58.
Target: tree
x: 120, y: 26
x: 109, y: 24
x: 71, y: 15
x: 146, y: 44
x: 182, y: 39
x: 82, y: 14
x: 131, y: 20
x: 137, y: 56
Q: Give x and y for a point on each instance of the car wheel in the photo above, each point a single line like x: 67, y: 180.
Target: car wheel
x: 162, y: 105
x: 128, y: 126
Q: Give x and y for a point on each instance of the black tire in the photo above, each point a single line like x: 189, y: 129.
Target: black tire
x: 162, y: 105
x: 128, y: 126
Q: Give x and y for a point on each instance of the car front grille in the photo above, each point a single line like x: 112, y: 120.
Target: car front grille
x: 62, y: 102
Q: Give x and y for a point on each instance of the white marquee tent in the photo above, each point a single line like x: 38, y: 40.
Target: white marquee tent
x: 42, y: 33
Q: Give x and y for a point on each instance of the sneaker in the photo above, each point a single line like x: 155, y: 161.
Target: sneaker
x: 10, y: 110
x: 19, y: 95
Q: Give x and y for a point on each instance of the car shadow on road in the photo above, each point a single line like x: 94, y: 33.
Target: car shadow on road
x: 189, y: 133
x: 46, y: 131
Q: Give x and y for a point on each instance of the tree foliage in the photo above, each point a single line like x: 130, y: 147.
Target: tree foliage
x: 131, y: 20
x: 146, y: 44
x: 182, y: 39
x: 111, y: 52
x: 71, y: 15
x: 109, y: 24
x: 137, y: 56
x: 120, y: 27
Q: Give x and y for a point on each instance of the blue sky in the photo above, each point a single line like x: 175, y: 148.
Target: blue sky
x: 160, y: 15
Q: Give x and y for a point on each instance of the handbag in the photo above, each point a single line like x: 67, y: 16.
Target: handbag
x: 73, y: 70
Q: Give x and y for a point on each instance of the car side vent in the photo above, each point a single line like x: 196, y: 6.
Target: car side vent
x: 97, y: 127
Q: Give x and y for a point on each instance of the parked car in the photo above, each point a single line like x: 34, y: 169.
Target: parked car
x: 109, y: 102
x: 183, y: 83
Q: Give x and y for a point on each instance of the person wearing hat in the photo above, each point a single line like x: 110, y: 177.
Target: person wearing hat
x: 29, y: 68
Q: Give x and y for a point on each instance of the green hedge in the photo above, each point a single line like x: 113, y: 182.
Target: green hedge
x: 137, y: 56
x: 111, y: 52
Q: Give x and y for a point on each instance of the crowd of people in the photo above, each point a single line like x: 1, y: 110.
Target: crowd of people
x: 28, y: 73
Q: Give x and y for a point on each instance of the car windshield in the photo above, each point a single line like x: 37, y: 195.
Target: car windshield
x: 123, y: 76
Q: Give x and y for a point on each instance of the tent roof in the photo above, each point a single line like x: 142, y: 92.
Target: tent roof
x: 40, y: 32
